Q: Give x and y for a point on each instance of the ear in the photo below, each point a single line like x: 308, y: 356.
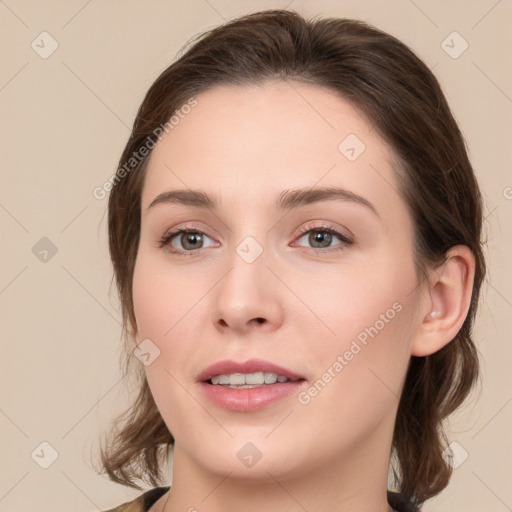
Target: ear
x: 448, y: 299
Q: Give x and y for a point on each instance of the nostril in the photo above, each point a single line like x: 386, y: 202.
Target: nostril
x: 259, y: 320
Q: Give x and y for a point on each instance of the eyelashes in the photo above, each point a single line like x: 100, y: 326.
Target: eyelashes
x: 330, y: 231
x: 315, y: 235
x: 193, y: 234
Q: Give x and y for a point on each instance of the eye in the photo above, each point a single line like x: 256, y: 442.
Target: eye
x: 186, y: 240
x: 324, y: 237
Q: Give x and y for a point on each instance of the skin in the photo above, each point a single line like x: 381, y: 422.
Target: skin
x: 245, y: 146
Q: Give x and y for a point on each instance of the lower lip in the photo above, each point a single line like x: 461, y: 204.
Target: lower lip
x: 249, y: 399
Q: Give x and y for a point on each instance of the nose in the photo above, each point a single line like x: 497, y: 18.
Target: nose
x: 248, y: 297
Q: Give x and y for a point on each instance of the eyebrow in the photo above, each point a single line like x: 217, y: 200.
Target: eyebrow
x: 288, y: 199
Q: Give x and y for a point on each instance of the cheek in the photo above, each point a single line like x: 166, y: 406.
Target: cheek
x: 162, y: 296
x: 362, y: 325
x: 170, y: 309
x: 359, y: 372
x: 161, y: 301
x: 342, y: 303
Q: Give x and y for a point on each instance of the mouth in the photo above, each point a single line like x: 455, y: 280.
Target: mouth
x: 249, y: 380
x: 248, y: 386
x: 254, y: 372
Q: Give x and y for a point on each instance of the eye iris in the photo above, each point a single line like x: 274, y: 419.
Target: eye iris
x: 319, y: 237
x: 190, y: 238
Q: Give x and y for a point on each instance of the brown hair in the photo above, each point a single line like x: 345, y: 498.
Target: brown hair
x: 393, y: 88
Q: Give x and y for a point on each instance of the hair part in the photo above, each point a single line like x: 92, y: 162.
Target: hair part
x: 396, y: 91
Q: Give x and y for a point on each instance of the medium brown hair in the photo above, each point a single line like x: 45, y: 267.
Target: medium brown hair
x: 396, y: 91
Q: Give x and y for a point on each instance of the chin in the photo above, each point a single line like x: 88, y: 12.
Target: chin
x: 251, y: 461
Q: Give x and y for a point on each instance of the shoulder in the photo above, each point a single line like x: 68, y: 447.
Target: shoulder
x: 142, y: 502
x: 401, y: 503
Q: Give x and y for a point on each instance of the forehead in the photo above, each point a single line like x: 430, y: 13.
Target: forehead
x: 254, y: 141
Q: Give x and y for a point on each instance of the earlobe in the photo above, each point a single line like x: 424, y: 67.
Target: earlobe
x: 450, y: 290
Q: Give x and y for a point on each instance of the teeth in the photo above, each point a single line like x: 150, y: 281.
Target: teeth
x: 237, y: 379
x: 270, y: 378
x: 252, y: 378
x: 248, y: 380
x: 223, y: 379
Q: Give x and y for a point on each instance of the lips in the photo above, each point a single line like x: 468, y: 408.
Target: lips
x: 251, y: 366
x: 252, y: 399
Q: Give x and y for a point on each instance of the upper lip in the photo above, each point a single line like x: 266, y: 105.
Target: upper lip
x: 227, y: 367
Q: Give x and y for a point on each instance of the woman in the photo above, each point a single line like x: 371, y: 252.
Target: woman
x: 295, y: 230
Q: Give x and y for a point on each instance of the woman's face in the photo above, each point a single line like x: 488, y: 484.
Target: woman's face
x: 280, y: 275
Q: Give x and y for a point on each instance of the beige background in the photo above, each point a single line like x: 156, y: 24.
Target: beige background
x: 64, y: 122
